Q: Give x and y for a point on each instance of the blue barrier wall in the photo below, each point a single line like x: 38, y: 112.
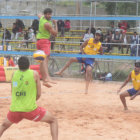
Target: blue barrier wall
x: 73, y: 55
x: 72, y: 18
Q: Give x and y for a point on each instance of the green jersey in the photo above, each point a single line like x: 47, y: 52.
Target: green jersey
x: 43, y: 33
x: 24, y: 91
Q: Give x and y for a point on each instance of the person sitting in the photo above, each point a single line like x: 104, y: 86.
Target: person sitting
x: 102, y: 36
x: 112, y: 28
x: 14, y: 31
x: 0, y: 26
x: 108, y: 77
x: 60, y: 25
x: 52, y: 39
x: 117, y: 38
x: 29, y: 37
x: 125, y: 41
x: 6, y: 37
x: 35, y: 26
x: 86, y: 36
x: 31, y: 34
x: 92, y: 30
x: 20, y: 26
x: 10, y: 61
x: 134, y: 41
x: 107, y: 41
x: 67, y: 25
x: 123, y: 25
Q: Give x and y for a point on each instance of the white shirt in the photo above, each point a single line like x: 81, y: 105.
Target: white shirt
x: 109, y: 75
x: 31, y: 36
x: 88, y: 36
x: 125, y: 40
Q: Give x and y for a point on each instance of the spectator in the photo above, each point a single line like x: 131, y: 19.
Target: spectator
x: 108, y: 77
x: 93, y: 30
x: 123, y: 25
x: 20, y: 26
x: 110, y: 35
x: 35, y: 26
x: 0, y: 25
x: 112, y: 28
x: 60, y: 25
x: 14, y: 30
x: 52, y: 39
x: 117, y: 38
x: 86, y: 36
x: 29, y: 37
x: 6, y: 37
x: 125, y: 41
x: 10, y: 61
x: 102, y: 36
x: 26, y: 37
x: 108, y: 39
x: 134, y: 42
x: 67, y: 25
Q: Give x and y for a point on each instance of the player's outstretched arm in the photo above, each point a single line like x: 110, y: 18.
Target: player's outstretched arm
x: 125, y: 82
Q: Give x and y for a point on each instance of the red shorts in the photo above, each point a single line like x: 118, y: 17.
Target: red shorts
x: 44, y: 45
x: 35, y: 115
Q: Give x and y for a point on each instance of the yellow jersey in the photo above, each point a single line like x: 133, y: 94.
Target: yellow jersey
x: 92, y: 48
x: 135, y: 80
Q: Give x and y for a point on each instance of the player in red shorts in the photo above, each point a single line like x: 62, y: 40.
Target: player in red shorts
x: 26, y: 89
x: 43, y: 42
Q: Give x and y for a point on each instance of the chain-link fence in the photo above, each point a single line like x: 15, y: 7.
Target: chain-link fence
x: 119, y: 69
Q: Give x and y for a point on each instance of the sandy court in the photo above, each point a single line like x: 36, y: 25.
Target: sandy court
x: 96, y: 116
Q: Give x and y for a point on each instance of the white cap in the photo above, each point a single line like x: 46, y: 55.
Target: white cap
x: 117, y: 30
x: 98, y: 32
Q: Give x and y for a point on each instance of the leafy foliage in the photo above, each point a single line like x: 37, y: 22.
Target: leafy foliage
x: 121, y: 9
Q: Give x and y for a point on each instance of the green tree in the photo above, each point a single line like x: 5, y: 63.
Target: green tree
x: 125, y: 8
x: 120, y: 8
x: 110, y: 7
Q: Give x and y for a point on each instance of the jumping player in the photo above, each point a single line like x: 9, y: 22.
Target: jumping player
x: 26, y: 89
x: 133, y: 92
x: 43, y: 42
x: 91, y: 47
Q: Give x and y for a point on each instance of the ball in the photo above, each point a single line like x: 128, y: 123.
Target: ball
x: 39, y: 55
